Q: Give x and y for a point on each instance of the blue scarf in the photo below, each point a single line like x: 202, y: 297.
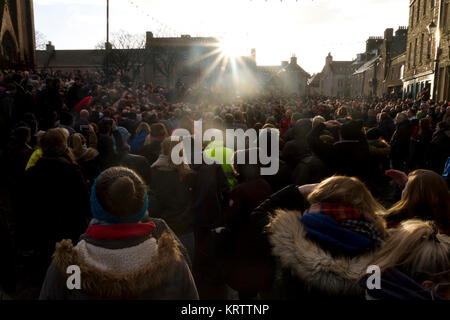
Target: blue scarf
x: 99, y: 213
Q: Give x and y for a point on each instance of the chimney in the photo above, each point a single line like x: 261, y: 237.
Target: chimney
x: 293, y: 59
x: 388, y: 34
x: 329, y: 58
x: 148, y: 39
x: 49, y: 47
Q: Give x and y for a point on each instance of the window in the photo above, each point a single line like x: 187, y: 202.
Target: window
x: 421, y: 48
x: 429, y: 48
x: 418, y: 11
x: 432, y: 4
x: 415, y: 52
x: 412, y: 16
x: 424, y: 8
x: 409, y: 55
x: 445, y: 17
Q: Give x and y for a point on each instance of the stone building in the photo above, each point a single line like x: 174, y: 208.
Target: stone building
x: 372, y: 76
x: 17, y: 49
x: 427, y: 55
x: 443, y: 74
x: 288, y: 77
x: 335, y: 78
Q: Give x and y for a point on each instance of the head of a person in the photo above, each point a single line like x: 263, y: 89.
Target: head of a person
x: 22, y: 135
x: 316, y: 120
x: 143, y: 127
x: 352, y: 130
x: 246, y: 171
x: 84, y: 114
x: 158, y: 130
x: 401, y: 117
x: 119, y: 195
x: 425, y: 196
x: 349, y: 191
x: 66, y: 119
x: 419, y: 250
x: 54, y: 143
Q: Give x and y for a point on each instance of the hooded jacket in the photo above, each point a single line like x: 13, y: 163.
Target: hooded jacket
x: 145, y: 265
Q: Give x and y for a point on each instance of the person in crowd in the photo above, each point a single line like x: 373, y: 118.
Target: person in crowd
x: 420, y: 145
x: 386, y: 126
x: 400, y: 142
x: 243, y: 262
x: 53, y: 203
x: 440, y: 147
x: 322, y: 238
x: 414, y: 264
x: 86, y: 157
x: 152, y: 144
x: 425, y: 195
x: 119, y: 256
x: 172, y: 194
x: 143, y: 130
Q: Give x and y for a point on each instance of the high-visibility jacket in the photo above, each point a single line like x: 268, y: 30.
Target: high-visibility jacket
x: 218, y: 152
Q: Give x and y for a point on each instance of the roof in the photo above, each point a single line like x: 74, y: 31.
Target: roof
x: 69, y: 58
x: 295, y: 67
x: 315, y: 80
x: 341, y: 67
x: 366, y: 65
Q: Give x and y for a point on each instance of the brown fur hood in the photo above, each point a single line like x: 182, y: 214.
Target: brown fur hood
x: 111, y: 285
x: 308, y: 262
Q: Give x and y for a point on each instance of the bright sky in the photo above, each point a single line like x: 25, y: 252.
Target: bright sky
x: 308, y: 28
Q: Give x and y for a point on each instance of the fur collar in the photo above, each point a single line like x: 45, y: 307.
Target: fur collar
x: 106, y: 284
x: 308, y: 262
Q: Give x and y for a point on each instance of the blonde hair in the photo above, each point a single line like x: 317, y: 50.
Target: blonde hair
x: 426, y: 196
x: 143, y: 127
x: 166, y: 149
x: 416, y: 247
x: 350, y: 191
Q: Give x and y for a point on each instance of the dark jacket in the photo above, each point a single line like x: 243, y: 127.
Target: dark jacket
x: 151, y: 151
x: 395, y: 285
x: 400, y: 141
x: 387, y: 128
x: 439, y: 151
x: 310, y: 170
x: 163, y: 272
x: 243, y: 261
x: 172, y: 200
x: 53, y: 205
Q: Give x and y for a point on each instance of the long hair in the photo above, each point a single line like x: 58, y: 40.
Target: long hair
x: 350, y: 191
x: 417, y: 248
x: 166, y: 149
x: 426, y: 197
x: 143, y: 127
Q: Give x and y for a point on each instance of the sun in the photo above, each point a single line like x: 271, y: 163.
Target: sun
x: 231, y: 48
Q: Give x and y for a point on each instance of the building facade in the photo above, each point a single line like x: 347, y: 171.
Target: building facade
x: 334, y: 80
x: 443, y: 64
x: 17, y: 49
x: 424, y: 47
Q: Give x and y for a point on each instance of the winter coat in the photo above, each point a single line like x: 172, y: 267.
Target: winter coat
x: 310, y: 170
x: 396, y: 285
x: 243, y: 261
x: 387, y: 129
x: 53, y: 204
x: 400, y: 141
x: 172, y: 199
x: 305, y: 268
x: 149, y: 266
x: 151, y: 151
x: 439, y: 151
x: 137, y: 143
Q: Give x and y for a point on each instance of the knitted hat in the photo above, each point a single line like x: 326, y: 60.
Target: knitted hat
x: 119, y: 195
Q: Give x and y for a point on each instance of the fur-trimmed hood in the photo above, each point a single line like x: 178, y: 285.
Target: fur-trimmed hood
x: 104, y: 283
x: 308, y: 262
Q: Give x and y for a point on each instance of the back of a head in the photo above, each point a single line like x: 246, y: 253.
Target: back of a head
x: 348, y: 191
x: 352, y: 130
x: 119, y: 195
x: 417, y: 248
x: 53, y: 142
x: 66, y: 119
x: 158, y: 130
x: 426, y: 196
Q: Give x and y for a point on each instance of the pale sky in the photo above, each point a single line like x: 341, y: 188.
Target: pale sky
x: 308, y: 28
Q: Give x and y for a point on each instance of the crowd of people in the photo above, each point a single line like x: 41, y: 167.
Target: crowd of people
x: 88, y: 180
